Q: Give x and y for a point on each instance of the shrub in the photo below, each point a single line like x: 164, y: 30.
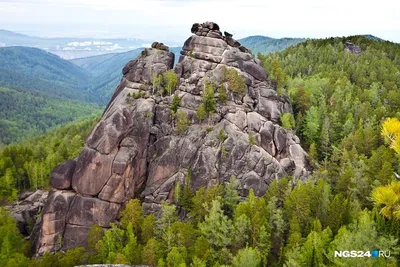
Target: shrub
x: 287, y: 121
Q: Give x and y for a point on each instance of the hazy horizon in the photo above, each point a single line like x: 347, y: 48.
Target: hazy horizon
x: 172, y: 19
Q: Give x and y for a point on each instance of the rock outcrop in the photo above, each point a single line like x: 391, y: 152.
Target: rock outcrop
x: 135, y: 150
x: 26, y: 209
x: 352, y: 48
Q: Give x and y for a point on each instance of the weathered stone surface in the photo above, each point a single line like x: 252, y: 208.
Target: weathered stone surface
x: 232, y: 42
x: 207, y: 45
x: 54, y: 220
x: 93, y: 170
x: 62, y: 175
x: 160, y: 46
x: 135, y: 147
x: 87, y: 211
x: 152, y: 61
x: 75, y: 236
x: 352, y: 48
x: 25, y: 211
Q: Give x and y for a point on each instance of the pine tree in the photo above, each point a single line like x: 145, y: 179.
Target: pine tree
x: 175, y: 104
x: 217, y: 227
x: 148, y: 227
x: 149, y: 253
x: 170, y: 80
x: 132, y: 250
x: 175, y: 259
x: 182, y: 122
x: 247, y: 257
x: 133, y: 213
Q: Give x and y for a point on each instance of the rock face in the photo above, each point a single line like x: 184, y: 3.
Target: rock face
x: 135, y: 150
x: 25, y: 210
x: 352, y: 48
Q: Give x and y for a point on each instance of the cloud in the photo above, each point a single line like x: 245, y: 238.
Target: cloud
x: 173, y: 18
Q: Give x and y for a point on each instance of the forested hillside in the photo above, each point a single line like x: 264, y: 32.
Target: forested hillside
x: 41, y: 71
x: 38, y: 91
x: 27, y: 165
x: 341, y: 100
x: 106, y: 72
x: 26, y: 113
x: 265, y: 45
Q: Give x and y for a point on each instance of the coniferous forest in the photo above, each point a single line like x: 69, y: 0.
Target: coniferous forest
x: 346, y: 112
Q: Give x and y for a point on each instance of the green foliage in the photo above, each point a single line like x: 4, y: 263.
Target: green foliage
x: 287, y: 121
x: 12, y: 243
x: 138, y: 94
x: 231, y: 195
x: 208, y: 105
x: 28, y: 165
x: 164, y: 227
x: 175, y: 104
x: 208, y: 98
x: 252, y: 140
x: 132, y: 250
x: 27, y: 113
x: 312, y: 125
x: 111, y: 243
x: 182, y: 122
x: 73, y: 257
x: 222, y: 136
x: 222, y: 96
x: 157, y: 81
x: 217, y: 227
x: 186, y: 194
x: 277, y: 74
x: 247, y: 257
x: 170, y: 81
x: 144, y: 53
x: 38, y: 70
x: 132, y: 214
x: 175, y: 259
x: 96, y: 233
x: 314, y: 250
x: 362, y: 235
x: 148, y: 227
x: 203, y: 199
x: 236, y: 83
x: 201, y: 112
x: 149, y: 254
x: 265, y: 45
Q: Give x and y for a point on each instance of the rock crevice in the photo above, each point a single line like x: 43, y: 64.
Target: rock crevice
x: 136, y: 151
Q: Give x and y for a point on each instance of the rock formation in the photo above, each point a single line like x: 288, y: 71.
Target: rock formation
x: 26, y: 209
x: 352, y: 48
x: 135, y: 150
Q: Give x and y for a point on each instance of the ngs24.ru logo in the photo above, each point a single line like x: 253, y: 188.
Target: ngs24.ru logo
x: 362, y: 254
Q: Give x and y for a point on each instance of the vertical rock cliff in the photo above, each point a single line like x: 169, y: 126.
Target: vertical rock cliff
x: 135, y: 149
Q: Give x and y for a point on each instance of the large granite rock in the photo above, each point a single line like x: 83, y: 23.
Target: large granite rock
x: 135, y: 149
x: 26, y: 209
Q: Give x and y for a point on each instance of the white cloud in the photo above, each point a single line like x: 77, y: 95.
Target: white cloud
x: 166, y: 18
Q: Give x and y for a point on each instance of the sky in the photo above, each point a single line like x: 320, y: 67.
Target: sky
x: 172, y: 19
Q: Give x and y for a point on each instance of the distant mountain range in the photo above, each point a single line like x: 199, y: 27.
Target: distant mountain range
x: 26, y: 67
x: 39, y: 90
x: 266, y: 45
x: 69, y: 48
